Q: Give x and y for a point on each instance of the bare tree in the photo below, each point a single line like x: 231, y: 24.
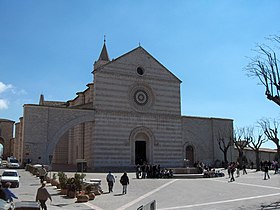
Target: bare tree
x: 240, y: 143
x: 255, y: 143
x: 265, y: 67
x: 270, y: 129
x: 225, y: 141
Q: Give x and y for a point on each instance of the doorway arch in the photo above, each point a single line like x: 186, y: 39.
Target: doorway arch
x: 142, y: 145
x: 140, y: 150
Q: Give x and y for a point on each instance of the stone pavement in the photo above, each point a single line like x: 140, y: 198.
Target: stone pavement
x: 249, y: 191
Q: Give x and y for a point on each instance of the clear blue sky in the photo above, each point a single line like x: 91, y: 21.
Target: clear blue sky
x: 49, y: 47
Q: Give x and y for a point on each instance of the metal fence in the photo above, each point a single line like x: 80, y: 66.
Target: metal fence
x: 148, y: 206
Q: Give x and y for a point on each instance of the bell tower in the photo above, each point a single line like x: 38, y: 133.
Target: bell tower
x: 103, y: 57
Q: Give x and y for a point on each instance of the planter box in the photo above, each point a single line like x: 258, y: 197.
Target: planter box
x: 82, y: 198
x: 64, y: 192
x: 71, y: 194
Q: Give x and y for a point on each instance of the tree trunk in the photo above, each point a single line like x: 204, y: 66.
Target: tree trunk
x: 240, y: 156
x: 258, y: 168
x: 225, y: 159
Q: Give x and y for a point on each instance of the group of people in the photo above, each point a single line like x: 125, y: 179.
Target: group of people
x: 271, y: 165
x: 111, y: 181
x: 265, y: 167
x: 42, y: 195
x: 6, y: 194
x: 268, y: 165
x: 152, y: 171
x: 235, y: 166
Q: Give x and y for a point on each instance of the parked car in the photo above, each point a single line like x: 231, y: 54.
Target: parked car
x: 10, y: 175
x: 13, y: 163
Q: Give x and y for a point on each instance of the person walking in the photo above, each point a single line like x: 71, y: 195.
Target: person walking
x: 228, y: 169
x: 244, y: 169
x: 232, y: 170
x: 111, y: 180
x: 42, y: 173
x: 276, y: 167
x: 237, y: 166
x: 43, y: 195
x: 266, y: 171
x: 124, y: 181
x: 138, y: 171
x: 3, y: 195
x: 9, y: 194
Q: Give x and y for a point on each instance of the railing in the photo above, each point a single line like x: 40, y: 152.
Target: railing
x: 148, y: 206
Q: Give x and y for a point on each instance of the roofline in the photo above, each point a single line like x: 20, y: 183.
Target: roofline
x: 133, y: 51
x: 208, y: 118
x: 6, y: 120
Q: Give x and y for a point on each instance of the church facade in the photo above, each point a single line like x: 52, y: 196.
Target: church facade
x: 129, y: 114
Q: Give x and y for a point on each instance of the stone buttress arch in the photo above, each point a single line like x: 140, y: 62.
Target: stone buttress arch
x: 53, y: 140
x: 44, y: 126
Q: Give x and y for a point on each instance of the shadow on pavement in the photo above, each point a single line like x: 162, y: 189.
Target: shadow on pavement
x: 35, y: 184
x: 120, y: 194
x: 55, y: 194
x: 60, y: 205
x: 275, y: 205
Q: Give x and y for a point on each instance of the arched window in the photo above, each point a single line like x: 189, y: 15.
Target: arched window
x: 190, y: 154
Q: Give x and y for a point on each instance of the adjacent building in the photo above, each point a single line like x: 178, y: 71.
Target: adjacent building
x: 6, y: 137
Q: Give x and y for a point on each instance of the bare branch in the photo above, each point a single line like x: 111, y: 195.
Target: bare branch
x: 265, y: 67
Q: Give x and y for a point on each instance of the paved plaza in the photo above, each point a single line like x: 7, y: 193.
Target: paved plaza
x: 249, y: 191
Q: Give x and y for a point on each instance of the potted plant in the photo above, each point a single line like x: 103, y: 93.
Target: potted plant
x: 82, y: 197
x: 54, y: 181
x: 71, y: 186
x: 74, y: 185
x: 48, y: 179
x: 62, y: 177
x: 88, y: 191
x: 79, y: 181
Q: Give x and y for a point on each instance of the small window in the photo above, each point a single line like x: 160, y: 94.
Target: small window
x: 140, y: 71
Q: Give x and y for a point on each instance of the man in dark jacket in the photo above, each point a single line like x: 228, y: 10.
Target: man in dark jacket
x: 266, y: 171
x: 111, y: 180
x: 124, y: 181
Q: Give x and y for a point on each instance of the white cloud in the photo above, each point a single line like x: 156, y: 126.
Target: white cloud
x: 9, y: 93
x: 4, y: 87
x: 3, y: 104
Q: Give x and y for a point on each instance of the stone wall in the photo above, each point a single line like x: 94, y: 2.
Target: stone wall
x: 18, y: 141
x: 44, y: 126
x: 202, y: 134
x: 6, y: 135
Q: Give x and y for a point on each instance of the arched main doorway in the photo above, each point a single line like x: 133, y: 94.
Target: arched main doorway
x: 142, y: 145
x: 140, y: 151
